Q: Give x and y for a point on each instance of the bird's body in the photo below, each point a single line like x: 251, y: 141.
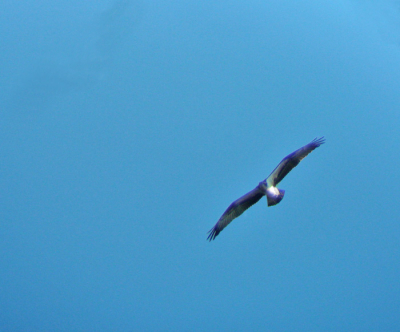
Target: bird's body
x: 266, y: 188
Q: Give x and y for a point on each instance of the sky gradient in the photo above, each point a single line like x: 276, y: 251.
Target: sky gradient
x: 128, y: 127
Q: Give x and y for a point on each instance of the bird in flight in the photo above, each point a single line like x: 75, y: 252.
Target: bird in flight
x: 265, y: 188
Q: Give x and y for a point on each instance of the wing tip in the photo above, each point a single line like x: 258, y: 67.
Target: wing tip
x: 318, y: 141
x: 212, y: 233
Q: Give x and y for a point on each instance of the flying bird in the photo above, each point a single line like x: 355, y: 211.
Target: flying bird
x: 265, y: 188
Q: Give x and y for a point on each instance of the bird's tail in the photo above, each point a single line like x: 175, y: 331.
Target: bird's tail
x: 274, y: 196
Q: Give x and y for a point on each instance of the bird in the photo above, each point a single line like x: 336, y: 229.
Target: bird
x: 267, y: 187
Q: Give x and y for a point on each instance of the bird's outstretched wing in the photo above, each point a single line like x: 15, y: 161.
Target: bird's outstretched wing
x: 291, y: 161
x: 235, y: 210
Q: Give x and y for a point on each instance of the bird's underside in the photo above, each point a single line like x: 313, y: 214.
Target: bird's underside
x: 266, y: 188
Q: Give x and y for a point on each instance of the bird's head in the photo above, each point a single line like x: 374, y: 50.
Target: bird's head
x: 263, y: 186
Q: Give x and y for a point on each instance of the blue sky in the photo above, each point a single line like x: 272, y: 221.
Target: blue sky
x: 128, y: 127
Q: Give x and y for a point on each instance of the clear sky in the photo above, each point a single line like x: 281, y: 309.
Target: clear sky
x: 128, y: 127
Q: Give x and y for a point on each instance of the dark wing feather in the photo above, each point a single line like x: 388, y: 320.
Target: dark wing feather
x: 291, y: 161
x: 235, y: 210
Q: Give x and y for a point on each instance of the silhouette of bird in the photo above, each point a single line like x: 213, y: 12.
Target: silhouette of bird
x: 264, y: 188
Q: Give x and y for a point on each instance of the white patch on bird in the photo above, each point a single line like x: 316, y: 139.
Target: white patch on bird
x: 273, y: 190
